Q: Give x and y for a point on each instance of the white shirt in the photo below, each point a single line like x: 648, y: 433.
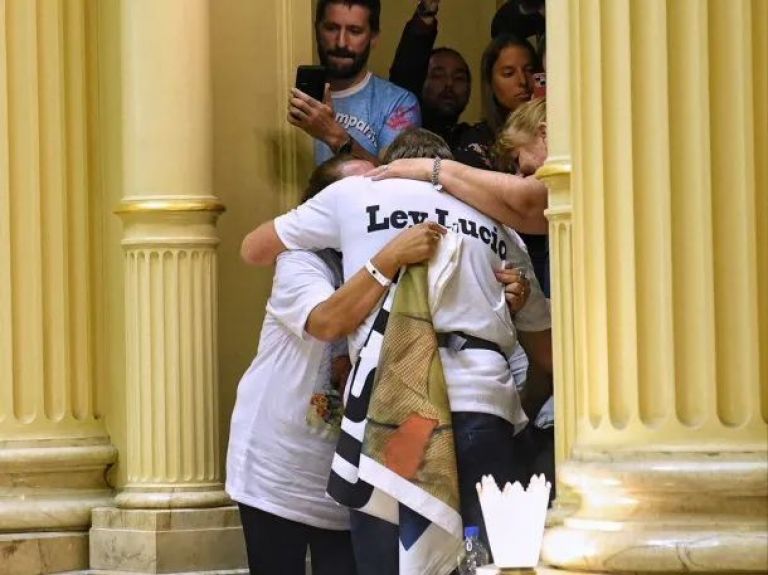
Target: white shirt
x: 275, y: 462
x: 359, y: 216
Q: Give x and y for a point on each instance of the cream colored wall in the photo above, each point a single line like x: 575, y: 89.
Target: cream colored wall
x: 255, y: 47
x: 463, y: 24
x: 107, y: 253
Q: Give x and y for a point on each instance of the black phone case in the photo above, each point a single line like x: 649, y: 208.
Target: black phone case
x: 311, y: 81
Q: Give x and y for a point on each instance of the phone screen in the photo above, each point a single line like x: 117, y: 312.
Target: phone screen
x: 539, y: 85
x: 311, y: 81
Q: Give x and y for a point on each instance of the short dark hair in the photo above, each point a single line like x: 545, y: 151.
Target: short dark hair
x: 325, y: 174
x: 447, y: 50
x: 417, y: 143
x: 374, y: 10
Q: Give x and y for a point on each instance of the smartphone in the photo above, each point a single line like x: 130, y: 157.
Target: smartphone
x: 311, y: 80
x: 539, y: 84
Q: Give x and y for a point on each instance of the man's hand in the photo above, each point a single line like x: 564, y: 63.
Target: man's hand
x: 316, y: 118
x: 427, y: 10
x: 411, y: 246
x: 340, y: 368
x: 517, y: 287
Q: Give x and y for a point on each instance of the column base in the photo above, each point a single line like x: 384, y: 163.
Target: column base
x: 43, y: 553
x: 174, y: 497
x: 565, y: 504
x: 559, y: 512
x: 167, y: 541
x: 52, y: 485
x: 719, y: 550
x: 664, y: 513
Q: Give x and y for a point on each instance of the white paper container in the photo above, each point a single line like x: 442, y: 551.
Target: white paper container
x: 514, y: 520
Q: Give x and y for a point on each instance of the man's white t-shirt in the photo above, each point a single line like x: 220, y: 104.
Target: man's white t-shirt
x: 359, y: 216
x: 275, y: 462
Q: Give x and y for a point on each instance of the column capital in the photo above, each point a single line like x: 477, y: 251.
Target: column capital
x: 555, y: 167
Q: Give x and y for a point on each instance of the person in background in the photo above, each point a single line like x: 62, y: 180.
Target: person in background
x: 522, y: 147
x: 511, y: 199
x: 361, y: 113
x: 517, y: 200
x: 508, y: 65
x: 521, y: 18
x: 288, y: 409
x: 440, y: 77
x: 523, y: 143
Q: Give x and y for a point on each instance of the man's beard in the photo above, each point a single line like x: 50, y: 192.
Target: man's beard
x: 439, y: 120
x: 359, y: 61
x: 443, y: 111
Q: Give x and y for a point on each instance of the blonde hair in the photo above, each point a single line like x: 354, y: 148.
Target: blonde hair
x: 521, y: 126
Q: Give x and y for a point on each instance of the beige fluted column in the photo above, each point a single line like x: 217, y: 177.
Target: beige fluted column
x: 556, y: 174
x: 54, y: 449
x: 169, y: 213
x: 669, y: 382
x: 173, y: 514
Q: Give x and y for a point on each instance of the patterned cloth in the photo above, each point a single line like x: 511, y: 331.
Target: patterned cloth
x: 395, y: 457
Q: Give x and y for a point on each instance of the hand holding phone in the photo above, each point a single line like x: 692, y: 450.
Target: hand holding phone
x: 311, y: 80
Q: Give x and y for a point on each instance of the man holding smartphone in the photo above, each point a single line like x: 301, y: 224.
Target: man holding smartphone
x: 360, y: 113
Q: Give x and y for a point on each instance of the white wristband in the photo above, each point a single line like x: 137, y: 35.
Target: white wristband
x: 383, y: 280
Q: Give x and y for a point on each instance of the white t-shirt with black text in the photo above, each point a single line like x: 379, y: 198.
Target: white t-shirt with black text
x: 359, y: 216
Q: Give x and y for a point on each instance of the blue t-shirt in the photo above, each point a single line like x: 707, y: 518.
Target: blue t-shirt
x: 374, y: 112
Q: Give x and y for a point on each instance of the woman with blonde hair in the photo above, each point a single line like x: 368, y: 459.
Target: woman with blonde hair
x: 522, y: 144
x: 521, y: 148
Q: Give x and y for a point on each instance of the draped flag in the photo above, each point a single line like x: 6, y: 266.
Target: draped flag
x: 395, y: 458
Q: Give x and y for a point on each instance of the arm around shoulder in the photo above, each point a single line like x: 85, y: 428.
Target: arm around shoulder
x: 512, y: 200
x: 346, y: 309
x: 538, y: 347
x: 262, y: 246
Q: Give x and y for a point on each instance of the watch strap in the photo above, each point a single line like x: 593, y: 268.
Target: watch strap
x: 346, y: 147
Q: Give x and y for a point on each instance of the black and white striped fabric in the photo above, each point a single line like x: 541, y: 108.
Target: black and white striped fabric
x: 344, y: 483
x: 425, y: 547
